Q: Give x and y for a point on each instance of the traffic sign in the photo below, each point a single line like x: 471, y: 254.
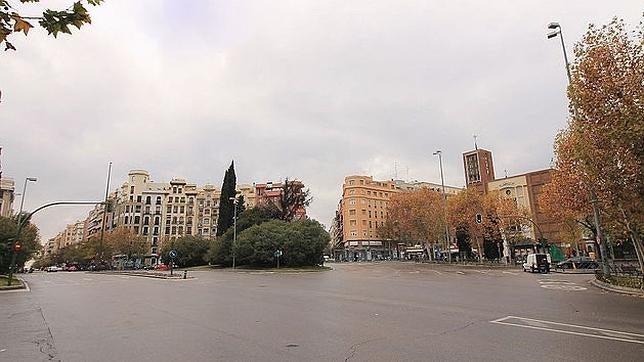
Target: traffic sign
x: 17, y: 246
x: 172, y: 254
x: 278, y: 253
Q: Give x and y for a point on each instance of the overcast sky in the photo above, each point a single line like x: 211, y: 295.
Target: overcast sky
x: 315, y: 90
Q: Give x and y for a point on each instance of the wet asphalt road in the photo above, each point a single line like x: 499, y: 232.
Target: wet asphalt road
x: 356, y: 312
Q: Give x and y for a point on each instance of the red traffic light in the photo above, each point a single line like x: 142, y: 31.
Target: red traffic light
x: 16, y: 246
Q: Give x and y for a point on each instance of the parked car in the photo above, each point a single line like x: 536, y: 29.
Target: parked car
x: 54, y: 268
x: 537, y: 262
x: 162, y: 267
x: 580, y: 262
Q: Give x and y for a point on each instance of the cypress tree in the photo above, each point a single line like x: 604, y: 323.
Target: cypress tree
x: 226, y: 206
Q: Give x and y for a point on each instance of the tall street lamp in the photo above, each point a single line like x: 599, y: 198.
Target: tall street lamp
x: 235, y: 202
x: 447, y: 238
x: 556, y: 30
x: 24, y: 194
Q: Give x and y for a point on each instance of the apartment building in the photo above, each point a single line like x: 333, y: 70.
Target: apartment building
x: 270, y: 192
x: 362, y: 209
x: 7, y: 195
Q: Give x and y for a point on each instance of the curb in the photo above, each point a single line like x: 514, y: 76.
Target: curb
x: 617, y: 289
x: 23, y: 286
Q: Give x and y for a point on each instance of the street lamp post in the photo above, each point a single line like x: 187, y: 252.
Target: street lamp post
x: 556, y: 30
x: 447, y: 238
x: 234, y: 200
x: 24, y: 194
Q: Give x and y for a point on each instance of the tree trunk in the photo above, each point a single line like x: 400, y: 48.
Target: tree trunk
x: 637, y: 244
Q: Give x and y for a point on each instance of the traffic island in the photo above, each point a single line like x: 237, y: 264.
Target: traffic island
x: 15, y: 283
x: 619, y: 284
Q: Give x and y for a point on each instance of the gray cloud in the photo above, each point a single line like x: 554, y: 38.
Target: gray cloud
x: 313, y: 90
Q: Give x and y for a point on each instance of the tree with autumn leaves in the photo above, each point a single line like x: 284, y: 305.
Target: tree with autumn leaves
x: 415, y: 217
x: 500, y: 219
x: 418, y: 217
x: 12, y: 20
x: 600, y: 155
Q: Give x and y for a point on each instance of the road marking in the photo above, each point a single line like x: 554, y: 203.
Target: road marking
x: 481, y: 271
x: 437, y: 272
x: 507, y: 272
x: 563, y: 287
x: 460, y: 272
x: 573, y: 329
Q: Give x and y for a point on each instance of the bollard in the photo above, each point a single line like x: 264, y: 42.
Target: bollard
x: 185, y: 274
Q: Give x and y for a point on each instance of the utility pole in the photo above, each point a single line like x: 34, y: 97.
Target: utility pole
x: 234, y: 199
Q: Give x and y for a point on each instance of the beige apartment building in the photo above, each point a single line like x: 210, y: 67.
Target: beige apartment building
x: 362, y: 209
x: 7, y: 195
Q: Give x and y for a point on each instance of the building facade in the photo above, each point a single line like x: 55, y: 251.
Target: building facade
x: 7, y: 195
x: 526, y: 189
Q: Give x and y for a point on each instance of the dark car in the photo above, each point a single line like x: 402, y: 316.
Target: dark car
x: 582, y: 262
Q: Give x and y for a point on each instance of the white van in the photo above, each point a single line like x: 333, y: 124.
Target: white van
x: 537, y: 262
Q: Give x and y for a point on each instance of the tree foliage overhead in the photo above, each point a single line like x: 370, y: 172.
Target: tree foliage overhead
x: 226, y: 205
x: 602, y: 149
x: 13, y: 20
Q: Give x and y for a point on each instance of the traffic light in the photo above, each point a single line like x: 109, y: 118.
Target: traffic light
x: 479, y: 219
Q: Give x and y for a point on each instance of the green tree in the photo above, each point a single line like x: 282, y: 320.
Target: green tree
x: 28, y: 241
x: 226, y: 205
x: 220, y: 250
x: 191, y: 251
x: 124, y: 241
x: 54, y: 21
x: 302, y: 243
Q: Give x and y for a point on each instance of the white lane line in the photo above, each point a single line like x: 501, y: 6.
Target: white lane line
x: 507, y: 272
x: 460, y: 272
x: 481, y: 271
x: 437, y: 272
x: 563, y: 287
x: 557, y: 327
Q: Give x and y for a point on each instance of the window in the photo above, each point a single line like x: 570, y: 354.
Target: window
x: 148, y: 200
x: 131, y: 189
x: 369, y: 213
x: 364, y: 222
x: 127, y: 208
x: 167, y: 230
x: 175, y: 209
x: 352, y: 202
x: 182, y: 209
x: 351, y: 182
x: 146, y: 220
x: 136, y: 229
x: 180, y: 229
x: 364, y: 211
x: 157, y: 220
x: 352, y: 222
x: 158, y: 200
x: 174, y: 230
x: 352, y: 212
x: 137, y: 208
x: 180, y: 190
x: 174, y: 219
x: 155, y: 230
x: 174, y: 190
x: 361, y: 182
x: 138, y: 198
x: 183, y: 199
x: 353, y: 233
x: 370, y: 224
x: 127, y: 219
x: 145, y: 230
x: 351, y: 192
x: 137, y: 220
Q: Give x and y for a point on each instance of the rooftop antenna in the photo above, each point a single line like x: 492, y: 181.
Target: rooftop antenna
x: 476, y: 147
